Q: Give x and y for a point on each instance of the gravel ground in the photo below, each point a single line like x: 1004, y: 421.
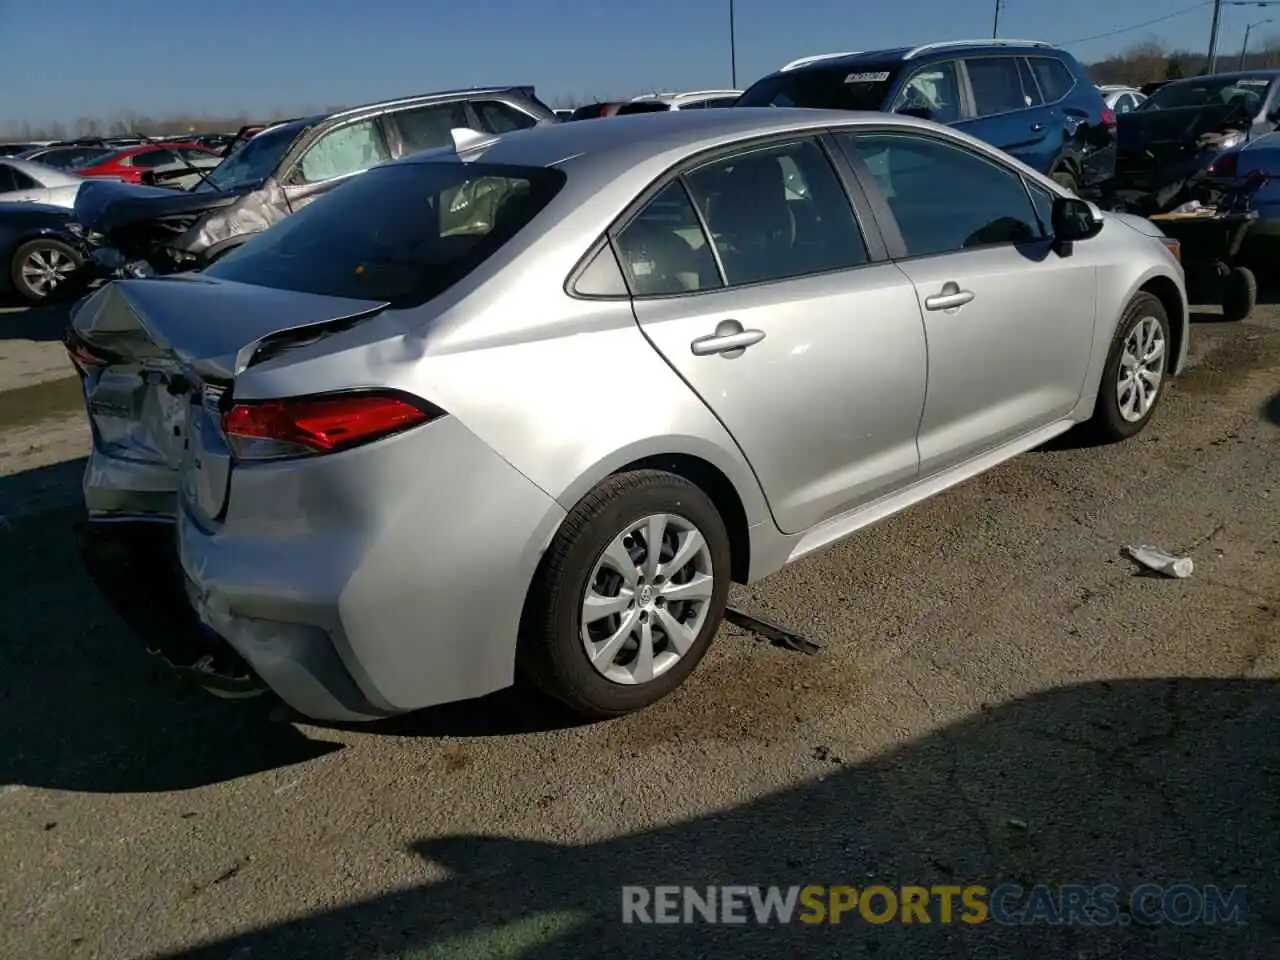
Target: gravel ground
x: 1001, y: 698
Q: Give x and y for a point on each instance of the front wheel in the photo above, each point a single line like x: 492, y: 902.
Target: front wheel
x: 1239, y: 294
x: 1137, y: 366
x: 628, y: 596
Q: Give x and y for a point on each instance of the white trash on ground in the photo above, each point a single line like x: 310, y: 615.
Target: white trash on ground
x: 1166, y: 564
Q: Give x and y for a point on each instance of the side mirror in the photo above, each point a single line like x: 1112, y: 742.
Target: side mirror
x: 1074, y: 219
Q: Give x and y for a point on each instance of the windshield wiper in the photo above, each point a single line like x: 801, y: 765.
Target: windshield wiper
x: 189, y: 165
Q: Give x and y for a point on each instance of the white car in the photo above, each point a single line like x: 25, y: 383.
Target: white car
x: 25, y: 181
x: 1121, y: 99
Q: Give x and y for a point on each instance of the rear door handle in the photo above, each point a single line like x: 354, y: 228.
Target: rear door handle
x: 950, y: 298
x: 1037, y: 127
x: 728, y: 338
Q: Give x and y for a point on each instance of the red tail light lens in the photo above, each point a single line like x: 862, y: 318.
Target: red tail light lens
x: 301, y: 426
x: 1225, y: 166
x: 86, y: 361
x: 1108, y: 117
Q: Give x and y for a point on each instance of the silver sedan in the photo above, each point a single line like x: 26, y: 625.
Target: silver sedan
x: 26, y: 181
x: 528, y: 406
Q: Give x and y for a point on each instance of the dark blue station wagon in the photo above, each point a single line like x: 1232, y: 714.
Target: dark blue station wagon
x: 1028, y: 98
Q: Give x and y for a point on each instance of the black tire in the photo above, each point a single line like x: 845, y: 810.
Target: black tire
x: 551, y: 652
x: 1108, y: 424
x: 1239, y: 294
x: 1063, y: 177
x: 21, y: 285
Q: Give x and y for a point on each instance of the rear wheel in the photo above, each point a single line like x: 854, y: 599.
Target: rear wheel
x: 628, y: 596
x: 1239, y: 294
x: 40, y: 266
x: 1134, y: 377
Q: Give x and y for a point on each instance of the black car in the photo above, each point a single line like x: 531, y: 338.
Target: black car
x: 1184, y: 125
x: 137, y: 230
x: 38, y: 251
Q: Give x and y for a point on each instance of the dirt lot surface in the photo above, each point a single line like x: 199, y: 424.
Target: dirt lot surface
x: 1001, y: 698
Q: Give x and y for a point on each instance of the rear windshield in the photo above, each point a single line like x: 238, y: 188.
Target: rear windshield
x: 858, y: 88
x: 403, y: 233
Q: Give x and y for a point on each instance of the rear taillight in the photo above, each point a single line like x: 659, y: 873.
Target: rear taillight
x: 1108, y: 117
x: 1224, y: 166
x: 304, y: 426
x: 85, y: 359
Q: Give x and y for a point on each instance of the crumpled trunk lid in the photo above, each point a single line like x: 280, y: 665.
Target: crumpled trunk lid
x: 165, y: 354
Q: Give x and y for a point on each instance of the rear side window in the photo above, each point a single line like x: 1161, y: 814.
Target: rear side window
x: 8, y: 181
x: 1055, y: 79
x: 426, y: 128
x: 997, y: 87
x: 154, y: 158
x: 664, y: 251
x: 402, y: 233
x: 497, y: 117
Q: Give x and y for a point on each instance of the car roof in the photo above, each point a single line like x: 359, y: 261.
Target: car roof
x: 923, y: 52
x: 633, y: 140
x: 44, y: 175
x: 1230, y: 75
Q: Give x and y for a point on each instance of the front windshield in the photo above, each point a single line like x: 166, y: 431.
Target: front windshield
x: 834, y: 89
x: 253, y: 161
x: 1245, y: 93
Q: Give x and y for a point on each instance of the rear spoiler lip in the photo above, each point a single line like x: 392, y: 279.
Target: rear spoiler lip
x: 227, y: 341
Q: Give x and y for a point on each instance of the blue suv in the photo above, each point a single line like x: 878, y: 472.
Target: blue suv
x: 1028, y: 98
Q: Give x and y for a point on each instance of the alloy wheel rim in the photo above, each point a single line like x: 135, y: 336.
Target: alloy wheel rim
x: 644, y: 608
x: 45, y: 268
x: 1142, y: 365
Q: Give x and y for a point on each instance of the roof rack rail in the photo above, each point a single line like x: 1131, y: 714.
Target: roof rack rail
x: 988, y: 42
x: 815, y: 58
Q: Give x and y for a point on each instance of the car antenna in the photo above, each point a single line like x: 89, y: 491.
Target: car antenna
x: 189, y: 165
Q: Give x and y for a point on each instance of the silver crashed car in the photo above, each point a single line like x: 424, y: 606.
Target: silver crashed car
x: 528, y: 405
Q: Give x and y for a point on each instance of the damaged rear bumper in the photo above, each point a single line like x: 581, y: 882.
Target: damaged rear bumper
x: 134, y: 565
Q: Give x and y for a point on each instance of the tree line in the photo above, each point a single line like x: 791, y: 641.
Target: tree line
x: 1139, y: 64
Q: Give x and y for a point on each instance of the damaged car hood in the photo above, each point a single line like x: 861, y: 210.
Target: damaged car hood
x: 105, y: 205
x: 213, y: 327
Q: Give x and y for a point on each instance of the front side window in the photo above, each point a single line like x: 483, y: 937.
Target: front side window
x: 777, y: 212
x: 350, y: 149
x: 401, y: 233
x: 154, y: 158
x: 997, y: 86
x: 429, y: 128
x: 8, y: 180
x: 932, y: 92
x: 664, y: 251
x: 946, y: 198
x: 498, y: 117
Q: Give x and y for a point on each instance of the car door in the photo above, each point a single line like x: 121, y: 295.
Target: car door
x: 752, y: 276
x: 17, y: 187
x: 333, y: 157
x: 1009, y: 320
x: 1005, y: 115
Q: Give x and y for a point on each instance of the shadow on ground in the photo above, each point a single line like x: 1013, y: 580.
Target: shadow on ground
x: 1271, y: 410
x: 1125, y: 783
x: 43, y: 323
x: 82, y: 706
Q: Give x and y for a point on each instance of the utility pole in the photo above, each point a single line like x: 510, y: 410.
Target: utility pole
x: 1244, y: 47
x: 995, y: 26
x: 1212, y: 65
x: 733, y: 51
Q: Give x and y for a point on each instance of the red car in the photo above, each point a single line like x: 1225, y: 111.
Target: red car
x: 130, y: 163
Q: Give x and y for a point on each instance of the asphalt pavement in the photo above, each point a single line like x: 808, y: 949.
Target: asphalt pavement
x: 1001, y: 698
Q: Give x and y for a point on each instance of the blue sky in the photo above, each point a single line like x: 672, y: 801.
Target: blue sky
x: 63, y: 59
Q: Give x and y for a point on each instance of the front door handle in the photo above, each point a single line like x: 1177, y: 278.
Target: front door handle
x: 729, y: 339
x: 1037, y: 127
x: 950, y: 298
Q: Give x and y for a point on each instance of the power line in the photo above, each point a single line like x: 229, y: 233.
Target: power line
x: 1138, y: 26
